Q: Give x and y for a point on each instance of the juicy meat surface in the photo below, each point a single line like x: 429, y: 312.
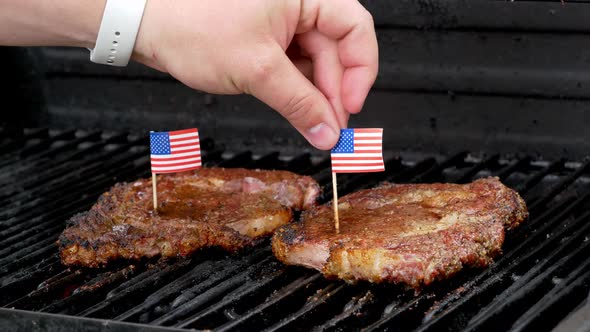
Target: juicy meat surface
x: 410, y: 234
x: 230, y: 208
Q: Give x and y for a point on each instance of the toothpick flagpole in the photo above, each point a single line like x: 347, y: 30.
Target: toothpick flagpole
x: 155, y: 192
x: 335, y: 203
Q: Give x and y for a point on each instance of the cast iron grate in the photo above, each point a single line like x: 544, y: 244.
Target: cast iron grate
x: 46, y: 176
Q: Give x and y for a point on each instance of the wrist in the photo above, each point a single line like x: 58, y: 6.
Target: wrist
x: 87, y: 24
x: 144, y: 51
x: 118, y: 32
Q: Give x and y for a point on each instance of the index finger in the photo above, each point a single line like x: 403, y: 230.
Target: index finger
x: 352, y: 25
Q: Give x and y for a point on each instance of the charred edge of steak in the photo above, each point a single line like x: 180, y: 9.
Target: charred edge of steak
x: 79, y: 251
x: 414, y: 267
x: 518, y: 209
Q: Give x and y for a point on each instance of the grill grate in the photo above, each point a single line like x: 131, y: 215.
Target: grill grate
x: 47, y: 176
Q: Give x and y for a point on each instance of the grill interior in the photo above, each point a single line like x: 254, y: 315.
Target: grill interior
x: 47, y: 176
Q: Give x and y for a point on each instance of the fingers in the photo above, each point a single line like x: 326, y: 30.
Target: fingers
x: 352, y: 26
x: 301, y: 60
x: 278, y: 83
x: 305, y: 66
x: 328, y: 70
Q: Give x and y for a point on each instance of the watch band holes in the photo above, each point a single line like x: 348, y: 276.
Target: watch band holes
x: 117, y: 33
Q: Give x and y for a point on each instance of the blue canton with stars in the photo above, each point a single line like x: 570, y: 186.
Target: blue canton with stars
x: 345, y: 142
x: 159, y: 143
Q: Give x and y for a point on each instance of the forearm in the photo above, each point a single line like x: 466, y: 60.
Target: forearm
x: 50, y: 22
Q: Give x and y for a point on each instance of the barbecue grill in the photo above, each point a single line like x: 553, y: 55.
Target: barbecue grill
x: 467, y: 89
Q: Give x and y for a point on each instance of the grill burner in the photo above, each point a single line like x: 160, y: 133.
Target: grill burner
x: 46, y: 176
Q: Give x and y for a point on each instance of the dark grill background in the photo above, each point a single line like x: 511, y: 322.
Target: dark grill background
x: 507, y: 81
x: 543, y: 275
x: 481, y: 75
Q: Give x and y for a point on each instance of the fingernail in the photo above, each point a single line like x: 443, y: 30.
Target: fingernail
x: 322, y: 136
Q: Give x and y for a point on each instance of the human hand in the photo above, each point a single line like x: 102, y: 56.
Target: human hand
x: 271, y: 49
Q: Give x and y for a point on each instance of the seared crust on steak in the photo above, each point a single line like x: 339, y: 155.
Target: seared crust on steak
x: 409, y: 233
x: 230, y: 208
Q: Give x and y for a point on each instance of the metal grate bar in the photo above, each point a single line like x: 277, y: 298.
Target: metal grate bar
x: 320, y: 298
x: 315, y: 169
x: 436, y: 171
x: 27, y: 239
x: 90, y: 290
x: 42, y: 145
x: 62, y: 176
x: 243, y: 291
x: 22, y: 254
x: 408, y: 174
x: 564, y: 297
x: 202, y: 294
x: 14, y: 285
x: 524, y: 187
x: 72, y: 201
x: 16, y: 143
x: 237, y: 160
x: 395, y: 311
x: 49, y: 218
x: 514, y: 167
x: 84, y: 151
x: 275, y: 299
x: 34, y: 256
x: 70, y: 145
x: 197, y: 274
x: 193, y: 292
x: 269, y: 161
x: 300, y: 162
x: 223, y: 268
x: 563, y: 184
x: 354, y: 306
x: 50, y: 288
x: 556, y: 213
x: 149, y: 279
x: 472, y: 172
x: 510, y: 305
x: 47, y: 165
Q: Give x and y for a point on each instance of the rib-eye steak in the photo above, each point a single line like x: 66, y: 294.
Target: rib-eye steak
x: 230, y: 208
x: 410, y: 234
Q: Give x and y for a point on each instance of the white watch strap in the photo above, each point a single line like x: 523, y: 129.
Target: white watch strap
x: 118, y: 31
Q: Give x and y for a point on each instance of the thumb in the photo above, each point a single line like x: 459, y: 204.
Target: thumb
x: 277, y: 82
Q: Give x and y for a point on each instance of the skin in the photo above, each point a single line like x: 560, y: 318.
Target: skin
x: 313, y: 61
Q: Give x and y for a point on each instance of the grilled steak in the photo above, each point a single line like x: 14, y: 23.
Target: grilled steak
x: 230, y: 208
x: 411, y: 234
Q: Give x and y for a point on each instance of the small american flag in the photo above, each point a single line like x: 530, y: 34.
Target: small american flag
x: 175, y: 151
x: 358, y: 150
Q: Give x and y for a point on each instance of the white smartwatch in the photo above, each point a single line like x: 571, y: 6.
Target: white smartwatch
x: 117, y: 33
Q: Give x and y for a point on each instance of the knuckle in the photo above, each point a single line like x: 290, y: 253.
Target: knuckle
x: 298, y: 109
x: 367, y: 18
x: 263, y: 67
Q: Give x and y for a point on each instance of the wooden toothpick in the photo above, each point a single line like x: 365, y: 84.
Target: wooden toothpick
x: 155, y: 192
x: 335, y: 203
